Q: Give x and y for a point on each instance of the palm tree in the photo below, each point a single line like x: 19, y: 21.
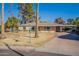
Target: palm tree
x: 2, y: 21
x: 12, y: 23
x: 10, y: 10
x: 37, y: 18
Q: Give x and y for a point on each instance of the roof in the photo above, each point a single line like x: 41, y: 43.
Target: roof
x: 48, y: 24
x: 44, y: 24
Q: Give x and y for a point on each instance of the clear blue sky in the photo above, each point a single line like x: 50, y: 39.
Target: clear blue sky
x: 49, y: 11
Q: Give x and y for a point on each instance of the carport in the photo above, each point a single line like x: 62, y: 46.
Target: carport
x: 59, y: 28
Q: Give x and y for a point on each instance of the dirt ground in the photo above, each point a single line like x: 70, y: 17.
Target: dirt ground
x: 26, y: 38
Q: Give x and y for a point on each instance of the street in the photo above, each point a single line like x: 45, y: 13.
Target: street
x: 23, y: 51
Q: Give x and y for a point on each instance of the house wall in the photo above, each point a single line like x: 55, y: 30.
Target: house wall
x: 20, y: 28
x: 41, y: 28
x: 53, y: 28
x: 59, y: 29
x: 44, y: 28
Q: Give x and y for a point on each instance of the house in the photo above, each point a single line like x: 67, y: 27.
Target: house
x: 43, y: 26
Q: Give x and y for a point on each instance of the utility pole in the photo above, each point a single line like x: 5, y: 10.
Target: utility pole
x: 37, y: 18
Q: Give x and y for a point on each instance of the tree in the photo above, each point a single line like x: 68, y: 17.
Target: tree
x: 2, y: 36
x: 77, y: 18
x: 2, y: 21
x: 37, y: 18
x: 10, y: 10
x: 59, y: 20
x: 0, y: 28
x: 12, y: 22
x: 70, y: 21
x: 76, y: 22
x: 26, y: 11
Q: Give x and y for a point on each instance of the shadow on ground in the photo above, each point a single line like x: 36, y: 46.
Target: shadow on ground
x: 13, y: 50
x: 69, y: 36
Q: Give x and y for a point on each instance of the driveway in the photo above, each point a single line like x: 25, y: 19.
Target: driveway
x: 63, y: 43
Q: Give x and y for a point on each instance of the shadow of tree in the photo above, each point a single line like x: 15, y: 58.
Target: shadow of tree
x: 70, y: 36
x: 13, y: 50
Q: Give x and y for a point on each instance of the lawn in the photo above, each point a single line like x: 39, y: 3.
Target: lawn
x: 26, y: 38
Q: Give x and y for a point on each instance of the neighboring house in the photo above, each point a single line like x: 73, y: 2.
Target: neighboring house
x: 44, y: 26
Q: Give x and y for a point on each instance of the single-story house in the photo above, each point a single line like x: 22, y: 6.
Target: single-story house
x: 44, y: 26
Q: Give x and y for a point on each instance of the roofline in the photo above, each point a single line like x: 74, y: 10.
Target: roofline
x: 45, y: 25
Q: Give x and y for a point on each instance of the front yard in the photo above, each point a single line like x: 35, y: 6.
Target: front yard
x: 26, y: 38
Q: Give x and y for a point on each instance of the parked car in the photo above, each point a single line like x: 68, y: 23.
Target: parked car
x: 77, y: 30
x: 73, y: 31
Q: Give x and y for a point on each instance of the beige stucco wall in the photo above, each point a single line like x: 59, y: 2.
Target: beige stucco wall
x: 20, y: 28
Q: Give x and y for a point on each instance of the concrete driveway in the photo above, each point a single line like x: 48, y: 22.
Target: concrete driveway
x: 63, y: 43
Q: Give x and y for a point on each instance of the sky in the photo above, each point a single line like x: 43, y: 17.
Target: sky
x: 48, y: 11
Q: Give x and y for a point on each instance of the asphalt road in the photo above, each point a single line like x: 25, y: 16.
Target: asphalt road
x: 7, y: 50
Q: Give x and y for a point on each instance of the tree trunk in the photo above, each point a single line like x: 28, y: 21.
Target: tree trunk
x: 14, y: 29
x: 11, y: 14
x: 37, y: 17
x: 2, y: 36
x: 2, y: 22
